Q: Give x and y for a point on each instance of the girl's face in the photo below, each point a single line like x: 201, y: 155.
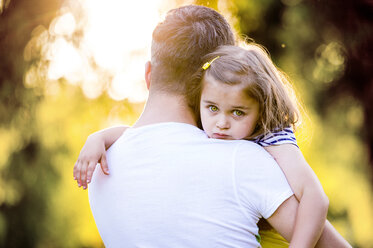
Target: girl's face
x: 226, y: 111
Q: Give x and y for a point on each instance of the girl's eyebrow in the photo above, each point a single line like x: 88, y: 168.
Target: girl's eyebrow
x: 241, y: 107
x: 208, y: 102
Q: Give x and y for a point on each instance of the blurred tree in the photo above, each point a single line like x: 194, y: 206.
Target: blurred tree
x: 352, y: 22
x: 26, y: 174
x: 18, y: 19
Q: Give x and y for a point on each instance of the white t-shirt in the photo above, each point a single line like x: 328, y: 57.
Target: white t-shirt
x: 172, y: 186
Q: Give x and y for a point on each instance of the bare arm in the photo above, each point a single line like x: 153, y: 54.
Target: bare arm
x: 331, y: 238
x: 93, y: 152
x: 110, y: 135
x: 284, y: 220
x: 313, y: 203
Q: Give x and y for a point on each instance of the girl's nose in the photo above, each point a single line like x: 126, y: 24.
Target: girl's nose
x: 222, y: 123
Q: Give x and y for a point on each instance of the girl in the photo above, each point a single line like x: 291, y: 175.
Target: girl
x: 240, y: 94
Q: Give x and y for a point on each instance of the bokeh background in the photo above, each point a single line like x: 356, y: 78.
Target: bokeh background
x: 69, y: 68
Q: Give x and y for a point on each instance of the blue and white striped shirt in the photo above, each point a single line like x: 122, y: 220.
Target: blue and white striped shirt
x: 285, y: 136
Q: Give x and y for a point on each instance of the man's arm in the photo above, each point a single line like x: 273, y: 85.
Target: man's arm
x: 283, y: 220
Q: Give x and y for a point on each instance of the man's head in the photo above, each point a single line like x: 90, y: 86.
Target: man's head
x: 179, y: 43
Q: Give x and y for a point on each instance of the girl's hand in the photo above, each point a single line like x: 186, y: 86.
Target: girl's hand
x: 93, y: 152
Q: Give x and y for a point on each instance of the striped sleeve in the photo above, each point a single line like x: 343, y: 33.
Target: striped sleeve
x: 285, y: 136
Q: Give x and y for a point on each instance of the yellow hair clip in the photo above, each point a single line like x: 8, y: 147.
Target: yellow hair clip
x: 207, y: 64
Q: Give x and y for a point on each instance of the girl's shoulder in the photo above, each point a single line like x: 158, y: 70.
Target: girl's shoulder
x: 277, y: 137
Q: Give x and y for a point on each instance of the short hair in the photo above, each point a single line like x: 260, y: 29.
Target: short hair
x: 181, y: 40
x: 263, y: 81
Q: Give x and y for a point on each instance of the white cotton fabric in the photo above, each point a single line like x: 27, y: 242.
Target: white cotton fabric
x: 172, y: 186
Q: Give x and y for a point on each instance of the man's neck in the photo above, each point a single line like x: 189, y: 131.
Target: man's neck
x: 162, y: 107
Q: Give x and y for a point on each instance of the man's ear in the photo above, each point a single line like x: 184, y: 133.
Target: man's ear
x: 148, y: 70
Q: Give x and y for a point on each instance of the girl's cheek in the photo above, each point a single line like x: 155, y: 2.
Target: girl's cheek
x: 206, y: 127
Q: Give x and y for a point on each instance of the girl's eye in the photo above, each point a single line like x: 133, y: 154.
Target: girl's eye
x: 238, y: 113
x: 213, y: 108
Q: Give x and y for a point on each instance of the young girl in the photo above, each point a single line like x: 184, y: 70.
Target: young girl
x: 240, y: 94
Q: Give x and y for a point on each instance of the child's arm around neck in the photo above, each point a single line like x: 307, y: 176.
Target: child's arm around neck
x: 93, y: 152
x: 313, y: 202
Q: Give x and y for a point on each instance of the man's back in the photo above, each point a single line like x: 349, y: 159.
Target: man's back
x: 171, y: 186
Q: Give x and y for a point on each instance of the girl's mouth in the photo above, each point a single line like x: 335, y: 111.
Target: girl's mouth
x: 220, y: 136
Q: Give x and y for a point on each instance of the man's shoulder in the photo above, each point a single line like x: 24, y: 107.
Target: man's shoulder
x: 250, y: 147
x: 253, y: 155
x: 233, y: 144
x: 241, y: 151
x: 165, y: 129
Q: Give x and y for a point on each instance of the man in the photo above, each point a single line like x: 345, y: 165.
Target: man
x: 172, y: 186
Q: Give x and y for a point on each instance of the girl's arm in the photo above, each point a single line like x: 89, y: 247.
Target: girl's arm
x: 284, y: 218
x: 313, y: 203
x: 331, y: 238
x: 93, y: 152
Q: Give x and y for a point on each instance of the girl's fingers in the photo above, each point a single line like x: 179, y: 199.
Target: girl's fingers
x: 90, y: 170
x: 104, y: 164
x: 83, y: 171
x: 83, y: 174
x: 77, y: 173
x: 75, y: 170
